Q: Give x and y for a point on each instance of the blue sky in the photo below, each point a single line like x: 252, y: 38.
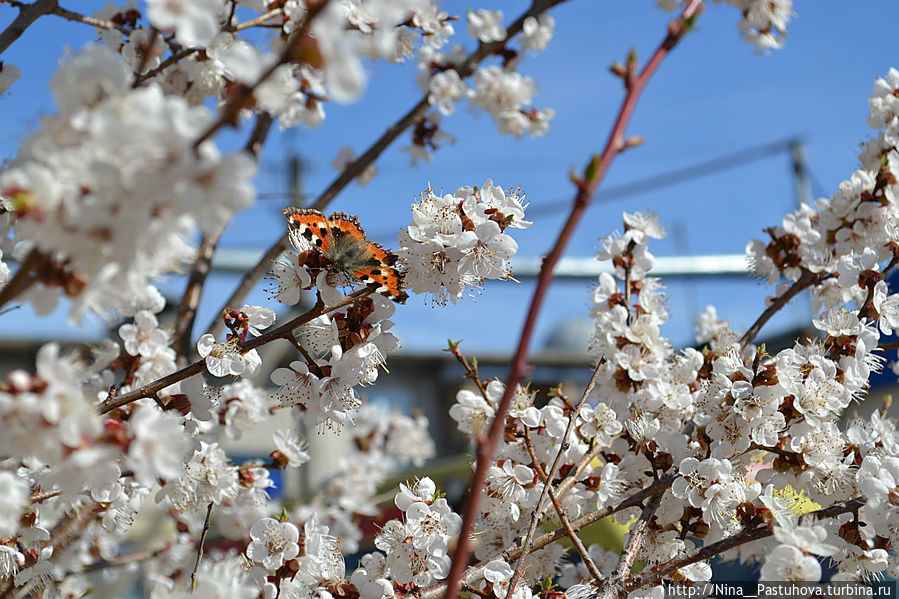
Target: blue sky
x: 712, y: 96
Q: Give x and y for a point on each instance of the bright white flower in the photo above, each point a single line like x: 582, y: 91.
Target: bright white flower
x: 509, y: 480
x: 787, y: 562
x: 433, y: 525
x: 218, y: 580
x: 810, y: 538
x: 273, y: 543
x: 422, y: 491
x: 11, y: 559
x: 371, y: 578
x: 471, y: 412
x: 289, y: 278
x: 322, y: 561
x: 259, y: 318
x: 158, y: 447
x: 600, y: 423
x: 319, y: 336
x: 486, y: 25
x: 292, y: 447
x: 244, y: 405
x: 537, y: 32
x: 445, y: 89
x: 9, y: 74
x: 764, y: 22
x: 435, y: 24
x: 486, y: 256
x: 14, y: 490
x: 297, y: 386
x: 143, y: 337
x: 611, y: 485
x: 195, y: 22
x: 222, y: 359
x: 887, y: 306
x: 458, y: 241
x: 208, y: 477
x: 499, y: 572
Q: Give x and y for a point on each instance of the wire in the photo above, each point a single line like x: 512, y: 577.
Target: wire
x: 666, y: 179
x: 673, y: 177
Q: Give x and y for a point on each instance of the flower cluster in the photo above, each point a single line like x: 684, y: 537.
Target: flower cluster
x: 109, y: 190
x: 415, y: 546
x: 458, y: 241
x: 343, y: 350
x: 763, y: 22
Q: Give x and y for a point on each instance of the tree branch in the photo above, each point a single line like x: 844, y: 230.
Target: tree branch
x: 175, y: 57
x: 566, y: 525
x: 807, y: 279
x: 22, y: 280
x: 28, y: 14
x: 587, y: 186
x: 200, y: 545
x: 652, y: 575
x: 282, y: 332
x: 539, y: 512
x: 93, y: 22
x: 187, y: 311
x: 244, y: 93
x: 472, y: 574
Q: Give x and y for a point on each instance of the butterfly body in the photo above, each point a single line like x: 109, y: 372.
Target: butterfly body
x: 341, y: 240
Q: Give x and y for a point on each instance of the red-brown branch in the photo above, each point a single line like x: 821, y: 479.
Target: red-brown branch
x: 586, y: 189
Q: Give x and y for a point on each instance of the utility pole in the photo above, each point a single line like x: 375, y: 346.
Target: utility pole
x: 295, y: 178
x: 800, y: 173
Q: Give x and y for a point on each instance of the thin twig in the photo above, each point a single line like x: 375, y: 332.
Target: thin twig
x: 22, y: 280
x: 70, y: 15
x: 356, y: 167
x: 540, y: 511
x: 244, y: 93
x: 637, y: 533
x: 190, y: 300
x: 566, y: 525
x: 282, y: 332
x: 471, y: 370
x: 260, y: 20
x: 41, y: 497
x: 651, y: 576
x: 807, y: 279
x: 175, y: 57
x: 587, y: 186
x: 193, y: 574
x: 28, y: 14
x: 187, y: 310
x: 145, y: 57
x: 473, y: 573
x: 128, y: 558
x: 614, y: 588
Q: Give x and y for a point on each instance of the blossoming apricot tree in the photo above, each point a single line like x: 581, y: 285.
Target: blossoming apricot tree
x: 701, y: 451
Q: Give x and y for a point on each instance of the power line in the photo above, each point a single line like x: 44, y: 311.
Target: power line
x: 662, y: 180
x: 676, y: 176
x: 666, y: 179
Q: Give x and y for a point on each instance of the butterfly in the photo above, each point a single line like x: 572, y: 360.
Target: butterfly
x: 341, y: 239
